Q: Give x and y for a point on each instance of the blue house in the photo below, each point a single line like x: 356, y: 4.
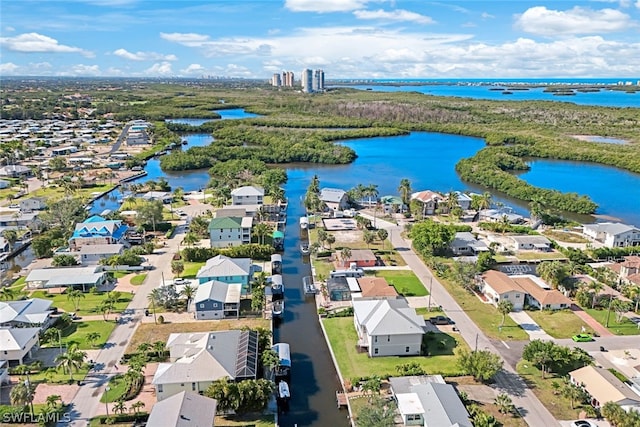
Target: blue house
x: 227, y: 270
x: 217, y: 300
x: 98, y: 231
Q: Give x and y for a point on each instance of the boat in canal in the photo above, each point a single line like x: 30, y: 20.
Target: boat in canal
x: 283, y: 390
x: 304, y: 248
x: 308, y: 286
x: 283, y: 370
x: 277, y: 309
x: 304, y: 222
x: 278, y: 240
x: 276, y: 264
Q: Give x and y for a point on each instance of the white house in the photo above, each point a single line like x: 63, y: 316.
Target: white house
x: 185, y: 409
x: 497, y: 286
x: 522, y: 289
x: 18, y: 343
x: 75, y: 277
x: 388, y: 327
x: 465, y: 243
x: 613, y: 235
x: 230, y: 231
x: 25, y: 313
x: 217, y: 300
x: 605, y: 387
x: 200, y: 358
x: 531, y: 242
x: 335, y: 199
x: 163, y: 196
x: 429, y: 200
x: 428, y: 401
x: 248, y: 195
x: 93, y: 254
x: 32, y: 204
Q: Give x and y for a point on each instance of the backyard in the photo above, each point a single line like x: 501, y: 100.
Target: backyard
x: 559, y: 323
x: 405, y: 282
x: 87, y: 305
x: 354, y: 364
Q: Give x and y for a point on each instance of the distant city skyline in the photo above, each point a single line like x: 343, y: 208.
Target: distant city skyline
x: 349, y: 39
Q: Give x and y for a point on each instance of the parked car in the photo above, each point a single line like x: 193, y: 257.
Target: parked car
x: 14, y: 206
x: 583, y: 423
x: 582, y: 338
x: 441, y: 320
x: 180, y: 281
x: 74, y: 316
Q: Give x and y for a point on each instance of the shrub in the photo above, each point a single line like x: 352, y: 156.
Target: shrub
x: 161, y: 319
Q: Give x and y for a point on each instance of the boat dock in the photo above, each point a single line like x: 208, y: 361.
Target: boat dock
x: 341, y: 399
x: 309, y: 286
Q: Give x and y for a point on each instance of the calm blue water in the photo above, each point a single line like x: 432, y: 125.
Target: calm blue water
x: 231, y: 114
x: 480, y: 89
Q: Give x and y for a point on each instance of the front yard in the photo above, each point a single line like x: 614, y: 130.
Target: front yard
x: 88, y: 305
x: 626, y: 327
x: 405, y: 282
x: 559, y: 323
x: 354, y: 365
x: 77, y: 333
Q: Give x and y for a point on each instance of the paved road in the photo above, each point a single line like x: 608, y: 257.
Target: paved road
x: 86, y: 402
x: 120, y: 139
x: 508, y: 381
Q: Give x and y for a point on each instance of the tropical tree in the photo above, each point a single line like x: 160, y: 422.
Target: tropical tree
x: 594, y: 288
x: 270, y: 359
x: 188, y: 292
x: 504, y: 307
x: 64, y: 260
x: 504, y: 403
x: 22, y: 394
x: 150, y: 212
x: 177, y: 267
x: 71, y: 360
x: 52, y: 401
x: 553, y: 272
x: 75, y: 295
x: 482, y: 364
x: 371, y: 192
x: 382, y: 235
x: 7, y: 293
x: 119, y: 407
x: 92, y: 337
x: 368, y: 237
x: 372, y: 385
x: 541, y: 353
x: 613, y: 413
x: 136, y: 406
x: 331, y: 239
x: 11, y: 236
x: 105, y: 308
x: 190, y: 239
x: 322, y: 237
x: 261, y: 231
x: 377, y: 413
x: 620, y: 307
x: 345, y: 255
x: 633, y: 293
x: 405, y: 191
x: 574, y: 393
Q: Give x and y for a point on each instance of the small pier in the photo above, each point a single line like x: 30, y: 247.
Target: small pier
x: 341, y: 399
x: 308, y: 285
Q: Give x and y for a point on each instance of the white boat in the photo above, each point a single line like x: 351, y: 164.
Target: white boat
x: 304, y: 248
x: 278, y: 308
x: 283, y: 390
x: 304, y: 222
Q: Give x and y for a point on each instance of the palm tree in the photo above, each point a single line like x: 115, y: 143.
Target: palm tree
x: 504, y: 307
x: 190, y: 239
x: 595, y: 287
x: 188, y: 292
x: 270, y: 359
x: 106, y: 308
x: 405, y: 191
x: 382, y: 235
x: 451, y: 201
x: 75, y: 295
x: 119, y: 407
x: 553, y: 272
x: 92, y: 337
x: 485, y: 201
x: 260, y: 280
x: 177, y: 267
x: 331, y: 239
x: 52, y: 400
x: 7, y: 293
x: 137, y: 406
x: 71, y: 360
x: 371, y: 191
x: 504, y: 403
x: 633, y: 292
x: 158, y: 347
x: 11, y: 236
x: 368, y: 238
x: 261, y: 231
x: 22, y: 394
x: 574, y: 393
x: 345, y: 255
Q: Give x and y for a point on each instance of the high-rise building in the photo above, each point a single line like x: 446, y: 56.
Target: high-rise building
x: 318, y: 81
x: 287, y: 78
x: 307, y: 80
x: 275, y: 80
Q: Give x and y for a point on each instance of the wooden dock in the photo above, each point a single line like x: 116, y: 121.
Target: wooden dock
x: 341, y: 399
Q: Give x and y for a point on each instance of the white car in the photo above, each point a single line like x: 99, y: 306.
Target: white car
x: 180, y: 281
x: 14, y: 206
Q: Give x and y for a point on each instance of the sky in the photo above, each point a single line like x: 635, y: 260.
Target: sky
x: 348, y: 39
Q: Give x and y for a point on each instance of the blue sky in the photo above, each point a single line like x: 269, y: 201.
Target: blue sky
x: 346, y: 38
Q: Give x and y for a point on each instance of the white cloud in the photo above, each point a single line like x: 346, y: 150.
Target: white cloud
x: 638, y: 4
x: 38, y: 43
x: 395, y: 15
x: 8, y: 68
x: 323, y: 6
x: 144, y: 56
x: 193, y: 69
x: 9, y: 29
x: 486, y: 15
x: 185, y: 38
x: 159, y: 69
x: 542, y: 21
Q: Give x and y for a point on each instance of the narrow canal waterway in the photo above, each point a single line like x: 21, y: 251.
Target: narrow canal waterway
x: 313, y: 377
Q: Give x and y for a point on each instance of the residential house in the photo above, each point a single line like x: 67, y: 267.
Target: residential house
x: 217, y: 300
x: 32, y: 204
x: 360, y: 257
x: 464, y: 200
x: 248, y: 195
x: 374, y: 287
x: 388, y: 327
x: 25, y: 313
x: 613, y: 235
x: 522, y: 289
x: 184, y: 409
x: 15, y: 171
x: 230, y: 231
x: 392, y: 204
x: 198, y: 359
x: 73, y: 277
x: 227, y: 270
x: 334, y: 198
x: 605, y: 387
x: 341, y: 288
x: 93, y: 254
x: 164, y: 196
x: 500, y: 215
x: 96, y: 230
x: 428, y: 401
x: 429, y: 201
x: 18, y: 343
x: 532, y: 242
x: 465, y: 243
x: 628, y: 270
x: 21, y: 220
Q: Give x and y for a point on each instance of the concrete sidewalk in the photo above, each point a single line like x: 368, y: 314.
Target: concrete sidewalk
x: 529, y: 325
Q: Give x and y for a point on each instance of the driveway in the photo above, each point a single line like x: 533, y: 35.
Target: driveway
x: 530, y: 326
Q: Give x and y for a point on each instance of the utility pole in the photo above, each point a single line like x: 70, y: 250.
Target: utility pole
x: 430, y: 286
x: 609, y: 310
x: 106, y: 398
x: 476, y: 349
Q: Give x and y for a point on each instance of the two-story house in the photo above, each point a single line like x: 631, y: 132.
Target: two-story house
x: 248, y: 195
x: 613, y: 235
x: 429, y: 201
x: 334, y: 198
x: 96, y: 230
x: 217, y: 300
x: 388, y: 327
x: 32, y: 204
x: 230, y: 231
x: 227, y: 270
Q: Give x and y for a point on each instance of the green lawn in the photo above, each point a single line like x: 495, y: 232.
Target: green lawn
x: 77, y: 333
x: 353, y: 365
x: 559, y: 323
x: 565, y: 236
x: 57, y: 192
x: 247, y: 420
x: 191, y: 269
x: 58, y: 376
x: 138, y: 279
x: 485, y: 315
x: 405, y: 282
x: 560, y: 407
x: 322, y: 267
x: 88, y: 305
x: 117, y: 389
x: 626, y: 327
x: 531, y: 256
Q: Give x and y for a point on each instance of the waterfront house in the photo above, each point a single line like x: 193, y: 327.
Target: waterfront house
x: 613, y: 235
x: 360, y: 257
x: 628, y: 270
x: 429, y: 201
x: 602, y: 386
x: 522, y: 289
x: 18, y: 343
x: 392, y: 204
x: 465, y: 243
x: 93, y: 254
x: 200, y: 358
x: 185, y: 409
x: 66, y: 277
x: 96, y: 230
x: 230, y: 231
x: 15, y: 171
x: 217, y: 300
x: 164, y: 196
x: 21, y: 220
x: 500, y: 215
x: 25, y: 313
x: 334, y: 198
x: 248, y: 195
x: 428, y: 401
x: 32, y: 204
x: 388, y: 327
x: 227, y: 270
x: 531, y: 242
x: 339, y: 289
x: 374, y: 287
